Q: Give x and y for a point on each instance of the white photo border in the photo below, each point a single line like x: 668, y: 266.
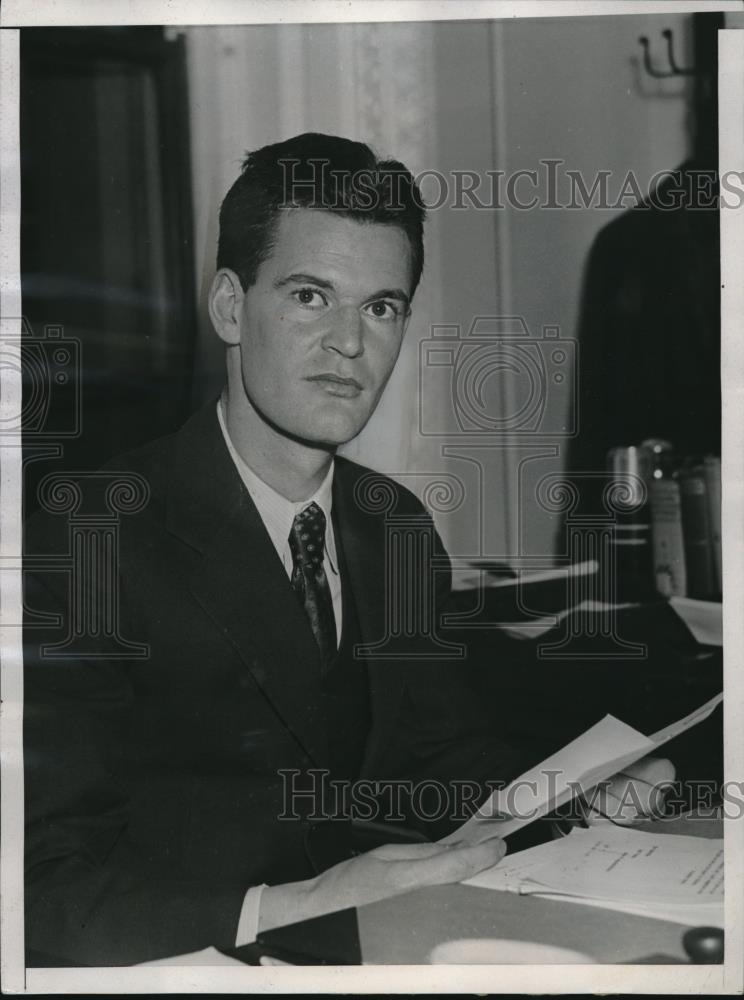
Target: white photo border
x: 681, y: 979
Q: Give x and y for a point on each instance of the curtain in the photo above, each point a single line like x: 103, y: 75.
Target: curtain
x: 375, y: 83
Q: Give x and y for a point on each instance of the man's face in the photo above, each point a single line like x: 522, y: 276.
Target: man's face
x: 322, y: 326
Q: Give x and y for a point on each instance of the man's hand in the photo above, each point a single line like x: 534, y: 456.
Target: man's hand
x: 386, y: 871
x: 634, y: 794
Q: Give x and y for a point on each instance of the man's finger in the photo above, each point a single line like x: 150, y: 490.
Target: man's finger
x: 406, y: 852
x: 652, y: 770
x: 454, y: 864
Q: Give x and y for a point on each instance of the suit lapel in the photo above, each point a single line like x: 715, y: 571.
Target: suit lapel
x: 240, y: 581
x: 363, y: 540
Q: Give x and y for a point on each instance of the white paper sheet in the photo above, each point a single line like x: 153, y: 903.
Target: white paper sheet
x: 604, y: 749
x: 207, y: 956
x: 655, y: 874
x: 473, y: 575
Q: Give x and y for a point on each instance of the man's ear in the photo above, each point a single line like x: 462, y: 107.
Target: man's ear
x: 225, y: 305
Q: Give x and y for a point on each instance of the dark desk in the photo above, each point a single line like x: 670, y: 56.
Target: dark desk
x: 404, y: 930
x: 544, y: 701
x: 407, y: 929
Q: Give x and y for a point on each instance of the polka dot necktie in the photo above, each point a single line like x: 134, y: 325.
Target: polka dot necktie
x: 309, y: 581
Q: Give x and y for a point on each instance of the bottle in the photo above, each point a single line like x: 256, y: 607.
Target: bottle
x: 712, y: 466
x: 662, y: 458
x: 670, y: 571
x: 630, y: 470
x: 697, y: 531
x: 667, y: 540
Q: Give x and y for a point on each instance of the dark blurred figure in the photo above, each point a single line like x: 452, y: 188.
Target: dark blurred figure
x: 650, y: 322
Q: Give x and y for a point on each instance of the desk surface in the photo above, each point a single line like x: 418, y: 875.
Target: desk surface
x: 403, y: 930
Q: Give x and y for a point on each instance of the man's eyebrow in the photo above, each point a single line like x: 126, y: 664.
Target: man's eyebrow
x: 303, y: 279
x: 391, y: 293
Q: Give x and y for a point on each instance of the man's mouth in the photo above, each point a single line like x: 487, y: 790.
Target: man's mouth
x: 337, y: 385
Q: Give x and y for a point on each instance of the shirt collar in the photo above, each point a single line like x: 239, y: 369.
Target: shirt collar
x: 276, y: 511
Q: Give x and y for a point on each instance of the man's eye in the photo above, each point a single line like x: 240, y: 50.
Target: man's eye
x: 384, y: 310
x: 310, y: 297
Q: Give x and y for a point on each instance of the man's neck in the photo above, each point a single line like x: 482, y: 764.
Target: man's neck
x: 292, y: 468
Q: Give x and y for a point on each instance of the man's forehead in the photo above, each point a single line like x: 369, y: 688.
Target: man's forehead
x: 335, y: 239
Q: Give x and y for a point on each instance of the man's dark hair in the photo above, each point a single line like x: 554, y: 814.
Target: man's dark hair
x: 324, y: 172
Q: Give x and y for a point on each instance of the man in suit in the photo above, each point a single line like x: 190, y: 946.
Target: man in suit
x: 252, y: 574
x: 254, y: 577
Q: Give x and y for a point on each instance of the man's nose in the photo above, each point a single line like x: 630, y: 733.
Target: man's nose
x: 346, y: 332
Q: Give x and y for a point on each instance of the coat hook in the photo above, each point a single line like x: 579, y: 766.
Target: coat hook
x: 674, y: 69
x: 677, y: 70
x: 647, y: 60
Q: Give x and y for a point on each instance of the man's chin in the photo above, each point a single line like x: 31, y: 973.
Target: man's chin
x: 332, y: 426
x: 333, y: 437
x: 327, y: 434
x: 316, y: 428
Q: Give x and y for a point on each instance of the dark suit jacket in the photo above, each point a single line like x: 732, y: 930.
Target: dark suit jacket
x: 650, y: 330
x: 153, y: 785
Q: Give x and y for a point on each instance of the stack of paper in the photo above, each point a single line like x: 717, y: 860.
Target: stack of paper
x: 475, y: 574
x: 653, y: 874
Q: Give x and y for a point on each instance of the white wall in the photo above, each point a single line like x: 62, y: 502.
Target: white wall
x: 468, y: 96
x: 574, y: 90
x: 252, y: 86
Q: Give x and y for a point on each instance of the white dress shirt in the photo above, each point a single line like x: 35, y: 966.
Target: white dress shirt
x: 277, y: 514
